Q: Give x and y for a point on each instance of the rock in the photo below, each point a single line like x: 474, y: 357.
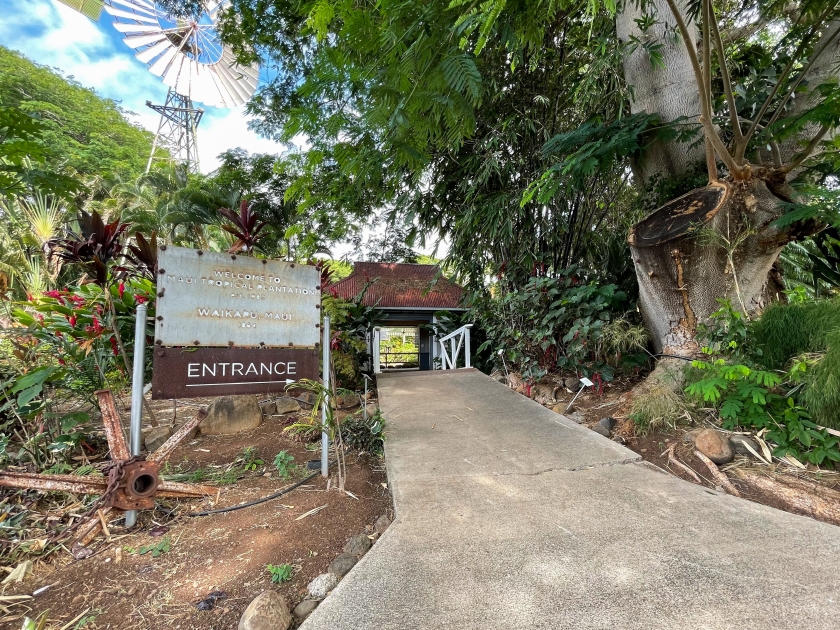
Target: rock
x: 543, y: 393
x: 232, y: 414
x: 305, y: 608
x: 308, y: 398
x: 381, y: 524
x: 572, y: 383
x: 577, y: 416
x: 601, y: 429
x: 342, y: 564
x: 267, y: 611
x: 715, y: 446
x: 690, y: 436
x: 607, y: 423
x: 155, y: 438
x: 371, y: 393
x: 268, y: 407
x: 347, y: 401
x: 358, y: 545
x: 372, y: 409
x: 320, y: 587
x: 286, y: 405
x: 738, y: 442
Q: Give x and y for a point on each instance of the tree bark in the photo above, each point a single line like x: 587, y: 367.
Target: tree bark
x: 670, y: 92
x: 795, y: 495
x: 682, y: 275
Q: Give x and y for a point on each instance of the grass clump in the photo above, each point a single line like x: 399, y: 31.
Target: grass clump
x: 786, y: 330
x: 657, y: 402
x: 822, y: 393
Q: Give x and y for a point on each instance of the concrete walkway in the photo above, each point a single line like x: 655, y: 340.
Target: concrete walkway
x: 511, y: 516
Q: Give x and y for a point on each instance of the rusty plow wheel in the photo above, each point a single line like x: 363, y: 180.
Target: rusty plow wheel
x: 130, y: 483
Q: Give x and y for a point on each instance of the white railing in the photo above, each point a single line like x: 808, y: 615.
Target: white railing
x: 457, y: 339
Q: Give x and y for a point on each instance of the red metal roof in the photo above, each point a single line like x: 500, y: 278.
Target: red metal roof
x: 400, y: 285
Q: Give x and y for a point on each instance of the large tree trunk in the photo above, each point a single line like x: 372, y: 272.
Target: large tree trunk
x: 681, y: 273
x: 684, y: 266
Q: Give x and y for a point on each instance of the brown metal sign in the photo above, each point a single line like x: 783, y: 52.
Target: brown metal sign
x: 198, y: 372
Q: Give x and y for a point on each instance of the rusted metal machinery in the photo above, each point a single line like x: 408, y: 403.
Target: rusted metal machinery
x: 130, y: 483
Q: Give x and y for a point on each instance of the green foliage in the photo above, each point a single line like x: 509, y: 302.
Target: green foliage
x: 24, y: 155
x: 33, y: 428
x: 285, y: 464
x: 550, y: 323
x: 620, y: 338
x: 329, y: 424
x: 87, y: 134
x: 593, y: 148
x: 248, y: 460
x: 787, y: 330
x: 749, y: 398
x: 821, y: 395
x: 365, y: 436
x: 156, y: 549
x: 62, y: 351
x: 350, y: 323
x: 280, y: 572
x: 727, y: 333
x: 403, y: 114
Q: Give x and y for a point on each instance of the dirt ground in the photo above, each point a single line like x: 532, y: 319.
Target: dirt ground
x: 614, y: 400
x: 119, y: 588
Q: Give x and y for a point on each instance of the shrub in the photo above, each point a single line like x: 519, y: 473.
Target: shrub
x: 367, y: 436
x: 550, y: 323
x: 786, y: 330
x: 285, y: 464
x: 752, y: 399
x: 822, y: 394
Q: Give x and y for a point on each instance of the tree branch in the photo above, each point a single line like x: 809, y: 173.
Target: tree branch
x: 706, y: 115
x: 802, y: 75
x: 750, y: 29
x: 727, y: 87
x: 711, y: 166
x: 808, y: 150
x: 766, y: 105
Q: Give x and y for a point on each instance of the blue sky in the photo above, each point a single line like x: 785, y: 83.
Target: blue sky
x: 93, y: 53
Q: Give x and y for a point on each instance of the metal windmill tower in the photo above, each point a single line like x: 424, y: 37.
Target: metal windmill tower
x: 189, y: 57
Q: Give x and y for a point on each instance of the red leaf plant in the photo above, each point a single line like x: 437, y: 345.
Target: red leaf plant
x: 245, y: 226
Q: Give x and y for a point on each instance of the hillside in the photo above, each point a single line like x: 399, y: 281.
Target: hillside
x: 90, y: 133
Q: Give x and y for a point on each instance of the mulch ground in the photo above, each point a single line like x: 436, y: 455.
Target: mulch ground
x: 119, y: 588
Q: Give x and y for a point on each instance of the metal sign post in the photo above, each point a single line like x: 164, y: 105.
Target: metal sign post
x: 325, y: 439
x: 136, y: 435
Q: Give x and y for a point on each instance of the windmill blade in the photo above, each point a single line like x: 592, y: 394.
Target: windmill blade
x: 188, y: 56
x: 138, y: 41
x: 122, y: 27
x: 153, y: 51
x: 130, y: 4
x: 131, y: 16
x: 137, y: 5
x: 160, y: 66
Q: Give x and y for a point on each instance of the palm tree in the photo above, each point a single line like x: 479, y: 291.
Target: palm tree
x: 31, y: 222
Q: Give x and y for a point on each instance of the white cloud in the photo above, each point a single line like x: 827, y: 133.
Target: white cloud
x: 222, y: 130
x: 54, y: 35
